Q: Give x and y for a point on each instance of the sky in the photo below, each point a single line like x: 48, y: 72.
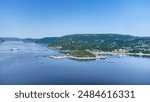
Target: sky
x: 47, y: 18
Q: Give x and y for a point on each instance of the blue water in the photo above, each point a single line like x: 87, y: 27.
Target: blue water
x: 30, y: 66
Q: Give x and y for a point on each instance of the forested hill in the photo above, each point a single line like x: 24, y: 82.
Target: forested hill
x: 87, y: 38
x: 49, y: 40
x: 100, y: 37
x: 103, y: 42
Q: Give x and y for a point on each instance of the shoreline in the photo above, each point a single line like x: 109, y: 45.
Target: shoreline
x: 99, y: 55
x: 117, y: 53
x: 87, y: 58
x: 77, y: 58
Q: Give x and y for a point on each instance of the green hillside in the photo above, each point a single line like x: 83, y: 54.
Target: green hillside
x: 101, y: 42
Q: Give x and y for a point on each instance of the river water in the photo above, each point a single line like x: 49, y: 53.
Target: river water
x: 30, y: 66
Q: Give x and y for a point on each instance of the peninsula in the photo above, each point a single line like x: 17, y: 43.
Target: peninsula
x: 82, y: 46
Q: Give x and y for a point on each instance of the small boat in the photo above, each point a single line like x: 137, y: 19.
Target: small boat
x: 101, y: 57
x: 14, y: 49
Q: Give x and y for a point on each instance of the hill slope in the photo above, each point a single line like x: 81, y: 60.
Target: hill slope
x: 101, y: 42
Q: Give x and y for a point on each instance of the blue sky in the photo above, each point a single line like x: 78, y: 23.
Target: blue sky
x: 43, y: 18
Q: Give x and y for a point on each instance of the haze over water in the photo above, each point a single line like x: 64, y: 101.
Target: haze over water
x: 29, y: 65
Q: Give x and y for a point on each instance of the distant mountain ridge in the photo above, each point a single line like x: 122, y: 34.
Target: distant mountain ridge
x: 18, y: 39
x: 12, y: 39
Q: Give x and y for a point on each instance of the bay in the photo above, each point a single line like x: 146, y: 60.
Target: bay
x: 29, y: 65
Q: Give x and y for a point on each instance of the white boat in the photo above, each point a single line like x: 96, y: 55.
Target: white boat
x: 101, y: 57
x: 14, y: 49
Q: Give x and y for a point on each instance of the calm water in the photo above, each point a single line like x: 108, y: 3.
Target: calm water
x: 30, y: 66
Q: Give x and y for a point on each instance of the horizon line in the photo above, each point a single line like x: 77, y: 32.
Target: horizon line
x: 73, y: 34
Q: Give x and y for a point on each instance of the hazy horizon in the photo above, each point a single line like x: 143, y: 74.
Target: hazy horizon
x: 69, y: 34
x: 55, y: 18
